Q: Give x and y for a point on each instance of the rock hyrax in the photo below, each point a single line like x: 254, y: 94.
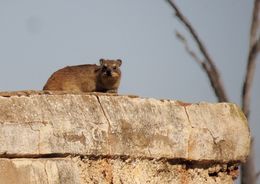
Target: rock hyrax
x: 87, y: 78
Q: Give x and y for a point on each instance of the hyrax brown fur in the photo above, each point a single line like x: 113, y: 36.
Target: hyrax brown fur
x: 87, y: 78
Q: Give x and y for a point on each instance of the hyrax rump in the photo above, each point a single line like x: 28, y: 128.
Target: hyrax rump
x: 87, y: 78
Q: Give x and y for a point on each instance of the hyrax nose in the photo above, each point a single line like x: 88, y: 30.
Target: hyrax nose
x: 109, y: 72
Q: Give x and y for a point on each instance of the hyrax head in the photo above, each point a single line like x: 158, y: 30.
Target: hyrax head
x: 110, y: 68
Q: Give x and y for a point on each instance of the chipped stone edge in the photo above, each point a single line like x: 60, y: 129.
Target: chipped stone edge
x: 28, y: 93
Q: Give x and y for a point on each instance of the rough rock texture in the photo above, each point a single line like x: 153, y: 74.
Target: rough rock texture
x: 103, y: 170
x: 48, y: 137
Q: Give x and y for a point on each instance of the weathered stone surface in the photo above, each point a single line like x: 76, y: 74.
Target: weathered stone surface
x: 107, y: 171
x: 118, y: 139
x: 40, y: 171
x: 88, y: 124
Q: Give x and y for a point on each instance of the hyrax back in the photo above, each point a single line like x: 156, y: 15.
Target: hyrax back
x: 87, y: 78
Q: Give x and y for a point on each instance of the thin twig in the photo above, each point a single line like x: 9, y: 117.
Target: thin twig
x: 254, y: 47
x: 257, y: 175
x: 187, y: 47
x: 212, y: 70
x: 205, y: 66
x: 254, y: 24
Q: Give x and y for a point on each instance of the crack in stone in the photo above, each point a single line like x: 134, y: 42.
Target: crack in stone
x: 187, y: 116
x: 39, y: 136
x: 191, y: 127
x: 103, y: 110
x: 216, y: 143
x: 213, y: 138
x: 23, y: 122
x: 45, y: 170
x: 172, y: 161
x: 108, y: 121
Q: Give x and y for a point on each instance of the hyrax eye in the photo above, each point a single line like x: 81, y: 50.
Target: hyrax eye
x: 114, y: 67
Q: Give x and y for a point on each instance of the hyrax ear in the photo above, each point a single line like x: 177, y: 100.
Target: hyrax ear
x: 101, y: 61
x: 119, y: 61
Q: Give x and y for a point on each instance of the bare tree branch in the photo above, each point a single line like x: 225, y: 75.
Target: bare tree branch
x: 254, y: 24
x: 254, y: 47
x: 257, y: 175
x: 246, y: 95
x: 248, y: 174
x: 205, y: 66
x: 248, y: 168
x: 208, y: 66
x: 187, y: 48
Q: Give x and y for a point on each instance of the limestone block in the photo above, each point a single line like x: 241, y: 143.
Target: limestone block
x: 96, y: 124
x: 79, y: 138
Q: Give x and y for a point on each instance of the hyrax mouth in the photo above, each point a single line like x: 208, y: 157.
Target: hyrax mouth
x: 115, y: 75
x: 111, y: 75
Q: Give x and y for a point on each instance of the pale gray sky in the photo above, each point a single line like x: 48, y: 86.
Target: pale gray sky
x: 39, y: 37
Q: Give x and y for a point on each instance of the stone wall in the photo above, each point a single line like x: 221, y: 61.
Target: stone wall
x: 51, y: 138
